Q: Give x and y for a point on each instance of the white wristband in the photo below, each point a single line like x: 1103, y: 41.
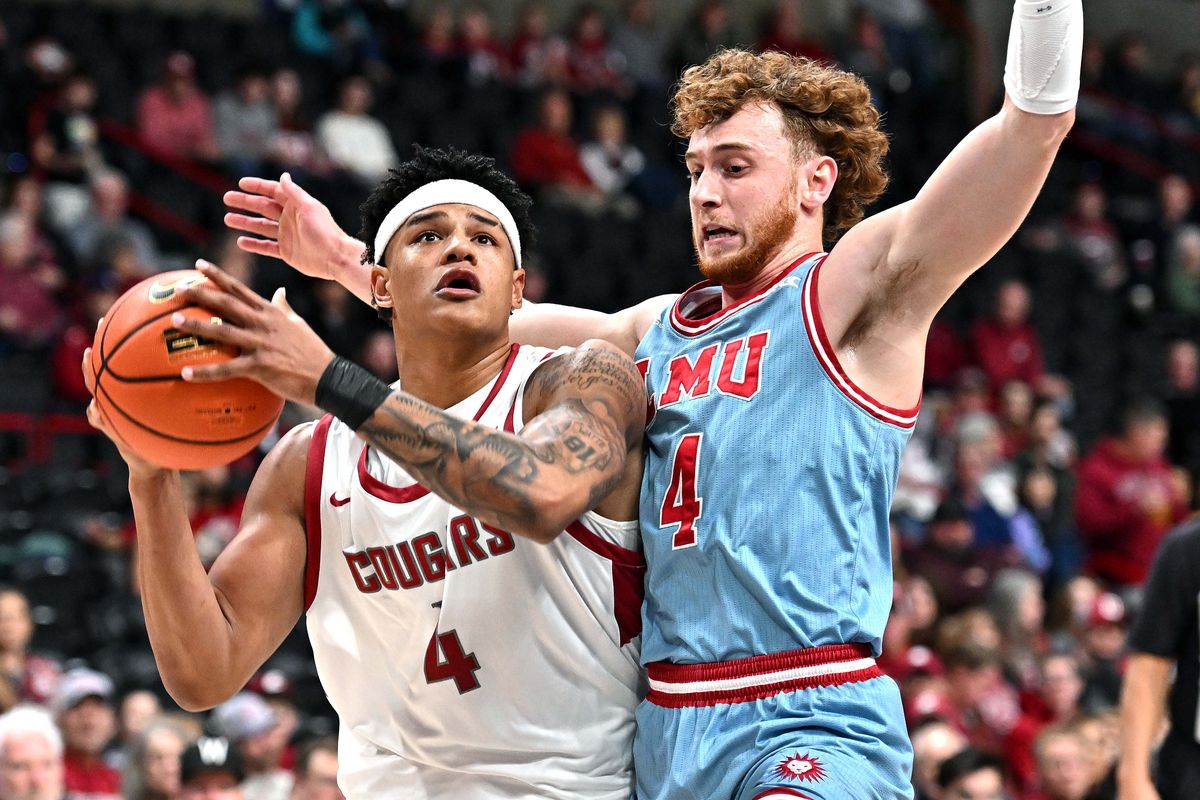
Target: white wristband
x: 1045, y: 54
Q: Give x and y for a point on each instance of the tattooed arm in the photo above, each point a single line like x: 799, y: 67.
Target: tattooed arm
x: 586, y: 413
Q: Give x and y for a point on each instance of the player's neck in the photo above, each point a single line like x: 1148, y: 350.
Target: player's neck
x: 732, y: 293
x: 451, y: 371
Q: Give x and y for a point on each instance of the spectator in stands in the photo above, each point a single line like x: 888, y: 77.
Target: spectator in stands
x: 1093, y: 239
x: 866, y: 54
x: 245, y: 122
x: 1183, y: 273
x: 338, y: 32
x: 536, y: 56
x: 46, y: 66
x: 137, y: 709
x: 1128, y: 76
x: 546, y: 157
x: 945, y: 354
x: 27, y: 678
x: 316, y: 770
x: 153, y: 768
x: 981, y: 704
x: 1175, y: 207
x: 174, y: 115
x: 708, y: 31
x: 212, y: 769
x: 439, y: 45
x: 293, y: 148
x: 274, y: 686
x: 68, y: 151
x: 1015, y: 416
x: 1182, y: 399
x: 70, y: 393
x: 1104, y: 643
x: 487, y: 62
x: 611, y: 162
x: 248, y: 722
x: 974, y: 774
x: 1057, y: 702
x: 957, y: 570
x: 908, y: 31
x: 1186, y: 105
x: 641, y: 47
x: 590, y: 62
x: 30, y: 315
x: 784, y: 30
x: 1006, y: 345
x: 108, y: 222
x: 378, y: 355
x: 987, y: 486
x: 1065, y: 769
x: 354, y: 140
x: 933, y: 742
x: 1015, y: 602
x: 1101, y: 733
x: 31, y: 751
x: 83, y: 707
x: 1127, y: 497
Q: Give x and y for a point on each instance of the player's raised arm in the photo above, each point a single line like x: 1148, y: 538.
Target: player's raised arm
x: 910, y: 259
x: 290, y: 224
x: 210, y: 632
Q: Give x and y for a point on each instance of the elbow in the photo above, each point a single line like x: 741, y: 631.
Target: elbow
x: 554, y: 509
x: 195, y: 691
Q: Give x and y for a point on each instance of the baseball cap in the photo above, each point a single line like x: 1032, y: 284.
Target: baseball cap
x: 79, y: 684
x: 1107, y: 609
x: 243, y: 716
x: 212, y: 754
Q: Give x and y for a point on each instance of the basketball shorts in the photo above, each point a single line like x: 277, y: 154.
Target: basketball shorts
x: 822, y: 723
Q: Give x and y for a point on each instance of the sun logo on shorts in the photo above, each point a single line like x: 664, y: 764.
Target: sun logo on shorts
x: 800, y: 768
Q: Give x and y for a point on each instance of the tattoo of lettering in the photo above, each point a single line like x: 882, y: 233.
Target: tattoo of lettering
x: 592, y: 401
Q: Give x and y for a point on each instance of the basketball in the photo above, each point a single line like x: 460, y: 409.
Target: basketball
x: 136, y: 360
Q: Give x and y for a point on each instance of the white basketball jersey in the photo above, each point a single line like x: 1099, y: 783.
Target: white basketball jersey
x: 464, y: 661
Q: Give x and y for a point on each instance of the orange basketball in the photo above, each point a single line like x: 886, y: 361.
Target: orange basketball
x: 136, y: 360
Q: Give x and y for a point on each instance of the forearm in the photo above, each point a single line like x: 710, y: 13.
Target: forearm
x: 1143, y: 700
x: 188, y: 630
x: 530, y: 486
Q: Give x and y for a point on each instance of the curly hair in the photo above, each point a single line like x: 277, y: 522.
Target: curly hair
x: 432, y: 164
x: 825, y: 110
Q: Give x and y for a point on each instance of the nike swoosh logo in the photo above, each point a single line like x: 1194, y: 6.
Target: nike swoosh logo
x: 333, y: 501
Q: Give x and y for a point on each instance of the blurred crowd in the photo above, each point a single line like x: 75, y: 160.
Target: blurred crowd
x: 1060, y: 433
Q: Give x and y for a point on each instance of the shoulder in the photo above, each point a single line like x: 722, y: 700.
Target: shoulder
x: 281, y: 474
x: 1182, y: 545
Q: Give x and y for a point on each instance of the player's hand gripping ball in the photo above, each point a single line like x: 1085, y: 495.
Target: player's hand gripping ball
x: 135, y: 366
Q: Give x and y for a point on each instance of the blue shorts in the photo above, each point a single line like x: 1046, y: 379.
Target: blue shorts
x: 776, y: 727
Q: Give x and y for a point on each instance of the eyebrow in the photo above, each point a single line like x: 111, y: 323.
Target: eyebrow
x: 417, y: 219
x: 723, y: 147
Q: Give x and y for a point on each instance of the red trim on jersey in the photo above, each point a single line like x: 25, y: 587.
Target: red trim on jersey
x: 827, y: 356
x: 312, y: 508
x: 780, y: 791
x: 628, y: 576
x: 695, y: 327
x: 407, y: 494
x: 755, y: 666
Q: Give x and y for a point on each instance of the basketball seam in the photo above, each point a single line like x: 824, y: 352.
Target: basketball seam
x: 180, y: 439
x: 104, y: 359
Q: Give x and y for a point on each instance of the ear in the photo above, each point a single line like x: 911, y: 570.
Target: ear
x: 822, y: 174
x: 380, y: 287
x: 518, y: 290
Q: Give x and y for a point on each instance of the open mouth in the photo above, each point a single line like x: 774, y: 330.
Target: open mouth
x: 717, y: 233
x: 458, y: 282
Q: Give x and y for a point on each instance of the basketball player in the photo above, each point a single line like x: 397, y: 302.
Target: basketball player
x: 785, y: 387
x: 472, y: 620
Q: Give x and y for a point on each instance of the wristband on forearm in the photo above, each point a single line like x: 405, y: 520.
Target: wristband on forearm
x: 1045, y: 55
x: 349, y: 392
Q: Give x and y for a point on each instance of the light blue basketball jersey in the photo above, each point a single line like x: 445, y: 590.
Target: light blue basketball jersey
x: 768, y: 480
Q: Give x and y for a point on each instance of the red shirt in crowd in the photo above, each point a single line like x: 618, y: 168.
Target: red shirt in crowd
x: 88, y: 776
x: 1123, y: 509
x: 184, y: 128
x: 1007, y: 352
x: 542, y: 158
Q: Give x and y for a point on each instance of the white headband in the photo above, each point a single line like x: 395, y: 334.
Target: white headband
x: 439, y: 193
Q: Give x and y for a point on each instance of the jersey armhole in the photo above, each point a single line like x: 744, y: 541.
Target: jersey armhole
x: 313, y: 472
